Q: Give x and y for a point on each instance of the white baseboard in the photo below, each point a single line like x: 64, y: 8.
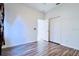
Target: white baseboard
x: 17, y: 44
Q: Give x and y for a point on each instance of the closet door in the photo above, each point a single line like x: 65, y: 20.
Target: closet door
x: 55, y: 30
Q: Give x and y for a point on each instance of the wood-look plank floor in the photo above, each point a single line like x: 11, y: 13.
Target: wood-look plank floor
x: 40, y: 49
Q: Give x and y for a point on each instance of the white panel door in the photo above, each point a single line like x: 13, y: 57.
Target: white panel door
x: 42, y: 30
x: 55, y: 30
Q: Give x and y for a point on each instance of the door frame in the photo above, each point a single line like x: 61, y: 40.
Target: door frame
x: 49, y: 25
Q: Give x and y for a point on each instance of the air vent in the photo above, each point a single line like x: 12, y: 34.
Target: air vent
x: 57, y: 3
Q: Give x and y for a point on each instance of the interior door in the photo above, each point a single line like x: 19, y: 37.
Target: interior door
x: 42, y: 30
x: 55, y: 30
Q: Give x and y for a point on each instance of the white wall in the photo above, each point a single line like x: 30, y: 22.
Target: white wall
x: 65, y: 28
x: 19, y: 24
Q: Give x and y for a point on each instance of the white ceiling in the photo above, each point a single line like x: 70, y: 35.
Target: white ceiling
x: 43, y: 7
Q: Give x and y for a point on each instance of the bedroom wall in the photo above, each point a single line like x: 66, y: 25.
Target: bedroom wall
x: 19, y: 24
x: 65, y: 24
